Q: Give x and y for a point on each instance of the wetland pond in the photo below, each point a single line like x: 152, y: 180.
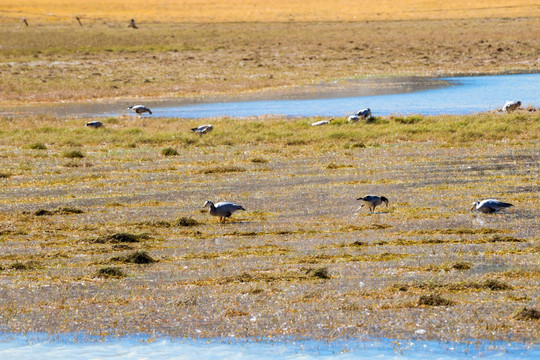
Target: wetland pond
x: 459, y: 95
x: 66, y: 347
x: 384, y: 96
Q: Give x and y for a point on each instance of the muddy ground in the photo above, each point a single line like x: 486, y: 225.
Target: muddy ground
x: 301, y: 261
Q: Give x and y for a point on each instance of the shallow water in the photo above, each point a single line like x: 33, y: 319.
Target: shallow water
x: 408, y: 95
x: 464, y: 95
x: 42, y: 346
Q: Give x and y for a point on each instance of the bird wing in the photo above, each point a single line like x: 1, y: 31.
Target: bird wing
x: 494, y: 204
x: 370, y: 198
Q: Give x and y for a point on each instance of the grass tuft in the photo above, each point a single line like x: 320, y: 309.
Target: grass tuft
x: 43, y: 212
x: 223, y: 169
x: 73, y: 154
x: 4, y: 175
x: 498, y: 238
x: 408, y: 120
x: 259, y: 160
x: 186, y: 221
x: 60, y: 211
x: 169, y: 151
x: 321, y: 273
x: 461, y: 265
x: 137, y: 257
x: 23, y: 266
x: 358, y: 243
x: 527, y: 314
x: 120, y: 238
x: 68, y: 210
x: 110, y: 271
x: 37, y: 146
x: 434, y: 300
x: 332, y: 166
x: 495, y: 285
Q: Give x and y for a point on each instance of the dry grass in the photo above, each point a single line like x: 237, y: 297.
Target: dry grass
x: 299, y: 256
x: 258, y: 10
x: 61, y: 62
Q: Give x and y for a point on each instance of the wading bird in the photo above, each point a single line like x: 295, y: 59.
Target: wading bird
x: 365, y: 113
x: 511, y: 106
x: 322, y: 122
x: 489, y: 205
x: 95, y: 124
x: 372, y: 201
x: 222, y: 209
x: 140, y: 109
x: 203, y: 129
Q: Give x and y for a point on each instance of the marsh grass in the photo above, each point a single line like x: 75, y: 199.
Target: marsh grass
x: 300, y: 218
x: 110, y: 272
x: 407, y: 120
x: 120, y: 238
x: 169, y: 152
x: 498, y: 238
x: 434, y: 300
x: 59, y: 211
x: 527, y: 314
x: 321, y: 273
x: 5, y: 175
x: 460, y: 265
x: 277, y: 132
x: 337, y: 166
x: 37, y: 146
x: 137, y: 257
x: 222, y: 169
x: 186, y: 222
x: 23, y: 266
x: 259, y: 160
x: 346, y: 257
x: 459, y: 231
x: 468, y: 285
x: 73, y: 154
x: 495, y: 285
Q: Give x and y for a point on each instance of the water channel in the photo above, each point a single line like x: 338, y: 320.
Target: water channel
x: 67, y: 347
x: 384, y: 96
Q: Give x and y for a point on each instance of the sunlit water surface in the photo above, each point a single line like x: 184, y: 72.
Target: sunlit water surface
x: 465, y: 95
x: 385, y: 96
x: 42, y: 346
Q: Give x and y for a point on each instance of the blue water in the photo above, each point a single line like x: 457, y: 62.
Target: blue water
x: 465, y: 95
x: 65, y: 347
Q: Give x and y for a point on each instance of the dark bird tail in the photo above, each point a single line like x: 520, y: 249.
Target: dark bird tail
x: 150, y: 111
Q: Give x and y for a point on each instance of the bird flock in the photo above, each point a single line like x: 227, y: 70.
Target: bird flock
x: 224, y: 210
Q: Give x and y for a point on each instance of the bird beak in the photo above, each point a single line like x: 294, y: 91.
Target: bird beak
x: 359, y: 199
x: 472, y: 208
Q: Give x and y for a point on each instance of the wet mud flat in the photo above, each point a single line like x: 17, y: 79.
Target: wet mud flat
x: 115, y: 241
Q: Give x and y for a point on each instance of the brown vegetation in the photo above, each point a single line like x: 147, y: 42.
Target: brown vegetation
x: 60, y: 62
x: 299, y: 256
